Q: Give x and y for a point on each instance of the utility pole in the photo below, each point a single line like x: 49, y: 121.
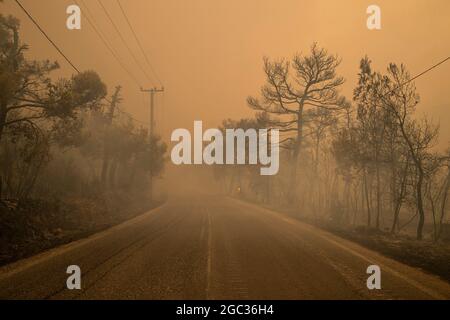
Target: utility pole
x: 152, y: 92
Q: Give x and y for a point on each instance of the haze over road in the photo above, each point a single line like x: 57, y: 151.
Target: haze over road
x: 210, y: 247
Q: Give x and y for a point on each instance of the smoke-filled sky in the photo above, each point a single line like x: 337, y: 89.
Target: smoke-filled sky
x: 208, y: 53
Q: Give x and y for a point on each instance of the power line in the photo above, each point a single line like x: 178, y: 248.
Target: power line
x: 45, y: 34
x: 123, y: 40
x: 415, y: 77
x: 108, y: 46
x: 62, y: 53
x: 139, y: 43
x: 115, y: 55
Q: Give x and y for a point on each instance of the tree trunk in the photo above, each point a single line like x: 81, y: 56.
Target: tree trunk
x: 109, y: 121
x: 417, y: 162
x: 298, y: 145
x: 366, y: 193
x: 2, y: 126
x: 444, y: 203
x: 399, y: 196
x: 378, y: 196
x: 420, y: 208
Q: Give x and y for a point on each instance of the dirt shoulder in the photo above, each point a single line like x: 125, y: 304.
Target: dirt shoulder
x: 426, y: 254
x: 32, y: 226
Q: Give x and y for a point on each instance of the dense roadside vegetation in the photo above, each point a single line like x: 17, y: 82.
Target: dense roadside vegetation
x: 71, y: 162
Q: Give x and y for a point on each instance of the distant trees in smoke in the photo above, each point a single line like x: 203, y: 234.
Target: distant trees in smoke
x: 368, y: 162
x: 295, y: 93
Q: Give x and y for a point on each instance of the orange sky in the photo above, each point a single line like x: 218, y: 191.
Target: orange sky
x: 208, y: 53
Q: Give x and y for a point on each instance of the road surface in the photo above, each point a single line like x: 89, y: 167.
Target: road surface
x: 210, y: 247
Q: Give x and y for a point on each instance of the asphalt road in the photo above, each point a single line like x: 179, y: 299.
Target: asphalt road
x: 209, y: 247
